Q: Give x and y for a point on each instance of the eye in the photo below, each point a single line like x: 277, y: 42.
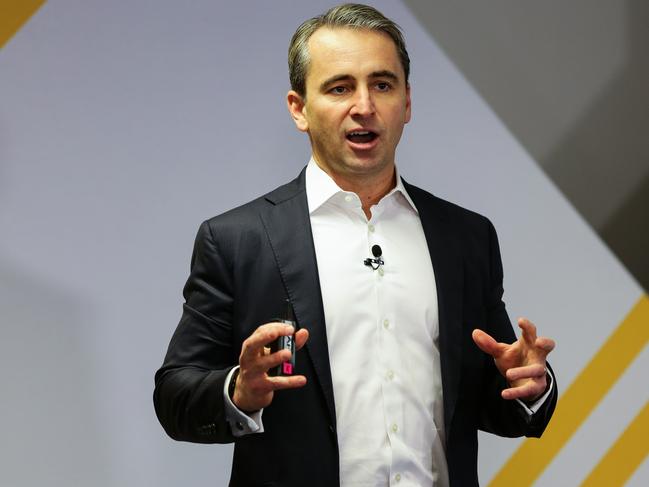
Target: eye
x: 338, y: 90
x: 383, y: 86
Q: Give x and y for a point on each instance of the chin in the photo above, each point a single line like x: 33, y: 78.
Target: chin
x: 369, y: 164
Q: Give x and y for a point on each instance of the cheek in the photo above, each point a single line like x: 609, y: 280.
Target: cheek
x: 326, y: 120
x: 399, y: 117
x: 327, y: 127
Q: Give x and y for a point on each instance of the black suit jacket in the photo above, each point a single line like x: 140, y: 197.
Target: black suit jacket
x: 247, y: 261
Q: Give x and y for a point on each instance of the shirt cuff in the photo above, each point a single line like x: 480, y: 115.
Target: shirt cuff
x: 530, y: 409
x: 241, y: 424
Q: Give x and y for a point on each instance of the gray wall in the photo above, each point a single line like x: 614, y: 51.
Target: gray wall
x: 123, y: 125
x: 569, y: 79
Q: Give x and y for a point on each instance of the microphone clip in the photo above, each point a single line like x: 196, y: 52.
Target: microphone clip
x: 374, y: 263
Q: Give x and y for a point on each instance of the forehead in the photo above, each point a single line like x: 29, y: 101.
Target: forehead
x: 344, y: 50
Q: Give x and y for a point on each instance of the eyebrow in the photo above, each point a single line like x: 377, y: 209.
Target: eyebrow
x: 384, y: 74
x: 344, y: 77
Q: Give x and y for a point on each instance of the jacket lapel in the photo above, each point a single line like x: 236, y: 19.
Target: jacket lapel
x: 288, y: 227
x: 444, y: 246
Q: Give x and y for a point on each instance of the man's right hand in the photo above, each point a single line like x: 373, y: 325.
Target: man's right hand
x: 254, y: 388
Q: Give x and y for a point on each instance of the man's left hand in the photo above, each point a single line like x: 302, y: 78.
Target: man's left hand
x: 522, y: 363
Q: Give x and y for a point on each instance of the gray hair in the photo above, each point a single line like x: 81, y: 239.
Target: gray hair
x: 351, y: 15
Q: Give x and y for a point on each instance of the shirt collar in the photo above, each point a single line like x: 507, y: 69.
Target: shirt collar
x: 320, y: 188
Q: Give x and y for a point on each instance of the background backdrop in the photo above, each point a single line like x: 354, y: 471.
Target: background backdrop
x: 123, y: 125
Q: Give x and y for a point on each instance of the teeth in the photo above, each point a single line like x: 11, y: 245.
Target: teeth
x: 360, y: 133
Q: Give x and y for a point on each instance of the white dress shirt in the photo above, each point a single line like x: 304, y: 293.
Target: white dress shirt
x: 383, y: 338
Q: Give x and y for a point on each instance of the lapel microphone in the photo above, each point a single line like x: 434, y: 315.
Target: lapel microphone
x: 377, y: 261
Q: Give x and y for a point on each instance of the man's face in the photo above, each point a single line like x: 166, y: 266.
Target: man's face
x: 357, y: 101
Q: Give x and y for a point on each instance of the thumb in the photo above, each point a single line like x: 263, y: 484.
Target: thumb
x: 301, y: 336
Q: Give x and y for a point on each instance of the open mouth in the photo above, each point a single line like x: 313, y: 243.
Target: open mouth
x: 361, y: 136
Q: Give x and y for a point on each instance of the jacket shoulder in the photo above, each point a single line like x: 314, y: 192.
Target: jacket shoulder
x: 427, y: 202
x: 246, y: 215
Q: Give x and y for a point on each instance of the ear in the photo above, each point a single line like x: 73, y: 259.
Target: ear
x: 408, y: 105
x: 296, y: 107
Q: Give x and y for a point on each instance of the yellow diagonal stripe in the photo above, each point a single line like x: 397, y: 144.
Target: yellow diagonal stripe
x: 13, y: 14
x: 579, y: 400
x: 625, y: 456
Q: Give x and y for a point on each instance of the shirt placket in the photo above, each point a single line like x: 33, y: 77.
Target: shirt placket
x: 389, y: 352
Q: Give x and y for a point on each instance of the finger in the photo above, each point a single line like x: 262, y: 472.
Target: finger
x: 260, y: 365
x: 533, y: 371
x: 287, y: 382
x: 262, y: 336
x: 268, y: 333
x: 487, y: 344
x: 529, y: 330
x: 301, y: 336
x: 531, y: 389
x: 545, y: 344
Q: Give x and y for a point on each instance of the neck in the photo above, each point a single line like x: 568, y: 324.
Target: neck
x: 370, y: 188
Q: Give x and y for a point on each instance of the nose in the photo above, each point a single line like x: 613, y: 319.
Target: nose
x: 363, y: 103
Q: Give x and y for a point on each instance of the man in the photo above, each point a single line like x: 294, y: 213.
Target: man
x: 392, y: 381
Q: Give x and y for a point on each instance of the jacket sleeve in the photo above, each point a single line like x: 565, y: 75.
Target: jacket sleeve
x: 497, y: 415
x: 188, y: 395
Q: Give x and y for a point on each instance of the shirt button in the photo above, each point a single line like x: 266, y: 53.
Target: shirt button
x: 370, y: 227
x: 395, y: 428
x: 390, y: 375
x: 397, y: 477
x: 381, y: 272
x: 348, y: 198
x: 386, y: 324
